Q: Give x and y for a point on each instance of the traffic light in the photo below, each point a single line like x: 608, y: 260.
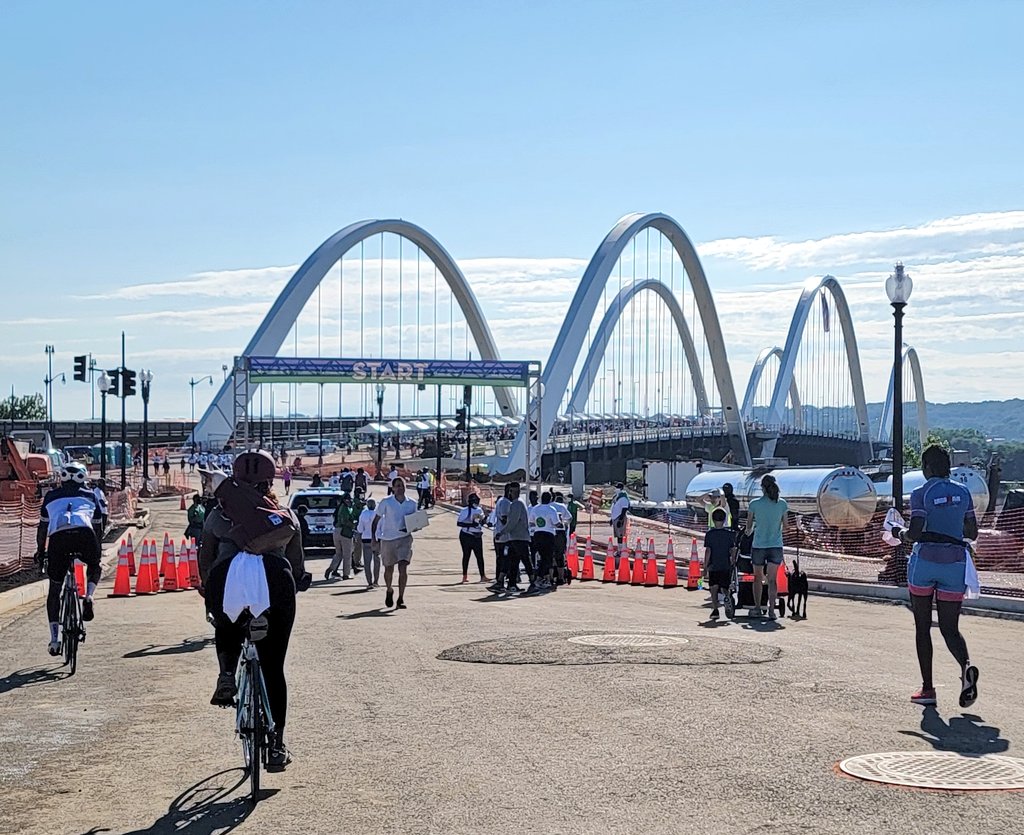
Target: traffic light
x: 467, y: 395
x: 128, y: 385
x: 81, y: 365
x: 460, y: 418
x: 115, y: 382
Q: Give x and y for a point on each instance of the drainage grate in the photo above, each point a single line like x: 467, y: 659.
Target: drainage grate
x: 627, y: 640
x: 945, y: 770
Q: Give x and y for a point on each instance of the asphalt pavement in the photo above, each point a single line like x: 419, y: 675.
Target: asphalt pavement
x: 467, y: 714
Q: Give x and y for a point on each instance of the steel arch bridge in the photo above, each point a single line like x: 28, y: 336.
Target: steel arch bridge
x: 571, y: 372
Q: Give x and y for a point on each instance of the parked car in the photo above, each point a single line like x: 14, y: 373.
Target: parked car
x: 320, y: 504
x: 319, y: 446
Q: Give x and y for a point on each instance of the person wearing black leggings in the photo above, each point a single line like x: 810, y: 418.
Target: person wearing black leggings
x: 285, y: 572
x: 941, y: 517
x: 471, y: 536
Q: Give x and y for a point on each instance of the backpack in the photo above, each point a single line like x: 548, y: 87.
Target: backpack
x: 260, y: 525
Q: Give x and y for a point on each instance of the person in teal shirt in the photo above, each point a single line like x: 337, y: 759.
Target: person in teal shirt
x: 765, y: 517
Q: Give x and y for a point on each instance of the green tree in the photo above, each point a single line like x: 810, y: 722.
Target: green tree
x: 26, y: 407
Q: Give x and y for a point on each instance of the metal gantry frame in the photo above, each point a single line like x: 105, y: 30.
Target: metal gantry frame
x: 534, y: 426
x: 240, y: 388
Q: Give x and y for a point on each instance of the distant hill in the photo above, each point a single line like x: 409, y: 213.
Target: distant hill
x: 994, y: 418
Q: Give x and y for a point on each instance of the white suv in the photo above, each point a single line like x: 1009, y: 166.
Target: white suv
x: 319, y: 446
x: 320, y: 504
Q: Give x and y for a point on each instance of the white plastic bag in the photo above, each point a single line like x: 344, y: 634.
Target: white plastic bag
x: 893, y: 519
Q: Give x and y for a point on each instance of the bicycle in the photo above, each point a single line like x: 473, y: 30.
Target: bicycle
x: 254, y: 723
x: 72, y: 631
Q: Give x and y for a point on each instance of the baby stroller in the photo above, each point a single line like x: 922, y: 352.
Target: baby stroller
x: 741, y: 587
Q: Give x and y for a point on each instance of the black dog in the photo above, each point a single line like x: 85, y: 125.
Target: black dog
x: 797, y: 591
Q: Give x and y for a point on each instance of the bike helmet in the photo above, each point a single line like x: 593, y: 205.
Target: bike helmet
x: 74, y: 472
x: 254, y: 467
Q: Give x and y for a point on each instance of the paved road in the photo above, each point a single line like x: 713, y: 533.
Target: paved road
x: 738, y: 730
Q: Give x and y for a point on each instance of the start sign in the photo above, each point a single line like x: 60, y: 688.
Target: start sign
x: 391, y: 371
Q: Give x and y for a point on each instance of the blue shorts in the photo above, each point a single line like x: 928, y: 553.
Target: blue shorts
x: 761, y: 556
x: 945, y: 579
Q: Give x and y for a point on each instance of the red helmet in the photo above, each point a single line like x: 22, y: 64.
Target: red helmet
x: 254, y: 467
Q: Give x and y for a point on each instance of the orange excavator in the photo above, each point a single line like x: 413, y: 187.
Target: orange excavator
x: 22, y: 473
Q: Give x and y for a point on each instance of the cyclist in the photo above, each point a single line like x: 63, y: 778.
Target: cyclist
x: 66, y: 519
x: 285, y: 572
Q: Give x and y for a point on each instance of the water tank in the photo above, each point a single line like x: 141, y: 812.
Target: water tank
x: 971, y: 478
x: 843, y: 497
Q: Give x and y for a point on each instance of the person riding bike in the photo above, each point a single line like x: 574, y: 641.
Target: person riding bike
x: 66, y: 519
x: 285, y: 572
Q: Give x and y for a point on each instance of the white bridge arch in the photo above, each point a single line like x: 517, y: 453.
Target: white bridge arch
x: 572, y: 335
x: 755, y: 380
x: 218, y: 421
x: 603, y: 335
x: 885, y: 426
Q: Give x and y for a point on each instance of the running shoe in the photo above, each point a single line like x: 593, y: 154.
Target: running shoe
x: 755, y: 613
x: 279, y: 757
x: 772, y: 615
x: 968, y: 686
x: 54, y: 648
x: 224, y: 694
x: 87, y: 612
x: 714, y: 614
x: 389, y: 599
x: 924, y: 696
x: 513, y: 590
x: 401, y: 604
x: 495, y: 588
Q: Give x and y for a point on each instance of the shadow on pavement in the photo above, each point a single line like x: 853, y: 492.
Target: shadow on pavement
x: 30, y: 676
x: 369, y: 613
x: 204, y: 808
x: 964, y: 734
x: 763, y: 625
x: 714, y: 624
x: 188, y: 645
x: 363, y: 590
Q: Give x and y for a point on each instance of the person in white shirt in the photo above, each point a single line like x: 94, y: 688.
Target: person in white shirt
x: 371, y: 549
x: 545, y: 524
x: 395, y: 540
x: 620, y: 508
x: 471, y: 536
x: 391, y: 478
x: 423, y: 485
x: 335, y: 481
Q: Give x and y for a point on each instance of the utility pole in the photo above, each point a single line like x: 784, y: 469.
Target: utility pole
x: 124, y: 423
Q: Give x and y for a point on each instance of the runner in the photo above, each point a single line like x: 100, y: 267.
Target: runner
x: 941, y: 517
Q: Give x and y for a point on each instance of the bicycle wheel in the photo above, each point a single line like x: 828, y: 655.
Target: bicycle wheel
x: 258, y: 731
x: 243, y: 722
x: 69, y: 625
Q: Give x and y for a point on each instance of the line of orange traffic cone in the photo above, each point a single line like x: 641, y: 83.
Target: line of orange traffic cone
x: 638, y: 566
x: 180, y: 571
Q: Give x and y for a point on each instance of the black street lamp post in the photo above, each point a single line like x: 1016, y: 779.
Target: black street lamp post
x: 898, y: 287
x: 146, y: 378
x: 103, y: 384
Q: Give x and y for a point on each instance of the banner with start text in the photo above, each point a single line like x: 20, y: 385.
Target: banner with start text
x: 390, y: 371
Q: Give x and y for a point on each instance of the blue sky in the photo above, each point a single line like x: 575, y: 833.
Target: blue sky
x: 150, y: 143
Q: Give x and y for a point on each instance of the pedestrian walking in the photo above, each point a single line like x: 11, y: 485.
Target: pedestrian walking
x: 362, y: 481
x: 345, y: 520
x: 370, y: 547
x: 286, y: 477
x: 619, y: 511
x: 765, y: 518
x: 196, y: 518
x: 733, y: 504
x: 395, y: 540
x: 471, y: 536
x: 942, y: 516
x: 358, y: 506
x: 719, y: 557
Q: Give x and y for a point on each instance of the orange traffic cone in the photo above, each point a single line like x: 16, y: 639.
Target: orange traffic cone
x: 80, y: 577
x: 163, y: 558
x: 587, y: 572
x: 639, y: 565
x: 183, y: 575
x: 131, y: 556
x: 144, y: 580
x: 170, y: 570
x: 671, y: 575
x: 122, y: 580
x: 154, y: 569
x: 193, y: 564
x: 623, y: 573
x: 651, y: 576
x: 609, y: 567
x: 693, y: 573
x: 182, y: 506
x: 572, y: 557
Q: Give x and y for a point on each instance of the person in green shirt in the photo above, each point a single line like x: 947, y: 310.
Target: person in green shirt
x: 196, y: 517
x: 574, y: 512
x: 345, y: 519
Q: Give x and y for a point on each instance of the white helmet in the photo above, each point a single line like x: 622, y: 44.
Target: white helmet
x: 74, y: 472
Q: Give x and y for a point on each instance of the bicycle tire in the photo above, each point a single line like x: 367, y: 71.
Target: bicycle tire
x: 243, y: 725
x: 70, y: 627
x: 258, y: 730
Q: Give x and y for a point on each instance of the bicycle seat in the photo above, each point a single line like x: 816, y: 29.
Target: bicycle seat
x: 257, y: 628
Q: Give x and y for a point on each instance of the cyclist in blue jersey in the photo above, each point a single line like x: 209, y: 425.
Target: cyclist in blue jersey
x: 66, y: 519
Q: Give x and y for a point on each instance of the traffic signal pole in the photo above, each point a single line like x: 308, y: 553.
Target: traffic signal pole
x: 124, y: 423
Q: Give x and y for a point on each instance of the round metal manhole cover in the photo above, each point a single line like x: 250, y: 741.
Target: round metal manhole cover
x: 940, y: 770
x: 627, y: 640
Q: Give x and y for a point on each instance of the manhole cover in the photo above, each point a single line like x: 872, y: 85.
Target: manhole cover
x: 627, y: 640
x: 945, y: 770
